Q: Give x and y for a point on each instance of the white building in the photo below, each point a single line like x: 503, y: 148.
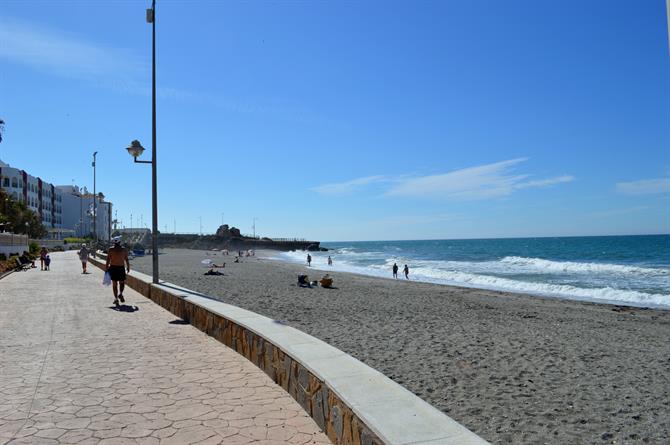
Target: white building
x: 40, y: 196
x: 78, y: 213
x: 63, y: 209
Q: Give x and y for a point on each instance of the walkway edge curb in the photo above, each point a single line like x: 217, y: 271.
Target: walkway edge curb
x: 352, y: 402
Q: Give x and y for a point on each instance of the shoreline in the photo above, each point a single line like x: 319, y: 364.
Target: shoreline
x: 511, y: 367
x: 275, y: 255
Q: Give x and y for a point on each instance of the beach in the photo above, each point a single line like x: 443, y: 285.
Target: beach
x: 513, y: 368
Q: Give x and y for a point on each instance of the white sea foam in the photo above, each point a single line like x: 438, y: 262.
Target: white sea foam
x: 574, y: 267
x: 599, y: 287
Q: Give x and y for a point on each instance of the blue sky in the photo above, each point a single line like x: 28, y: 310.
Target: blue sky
x: 352, y: 120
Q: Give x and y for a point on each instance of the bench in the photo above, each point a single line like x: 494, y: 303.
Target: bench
x: 23, y: 266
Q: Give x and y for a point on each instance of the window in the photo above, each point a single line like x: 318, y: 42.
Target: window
x: 6, y: 182
x: 14, y: 183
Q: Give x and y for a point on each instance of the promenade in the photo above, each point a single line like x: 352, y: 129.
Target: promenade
x: 74, y: 370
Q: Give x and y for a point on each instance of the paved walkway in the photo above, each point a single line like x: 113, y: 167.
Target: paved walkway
x: 73, y: 370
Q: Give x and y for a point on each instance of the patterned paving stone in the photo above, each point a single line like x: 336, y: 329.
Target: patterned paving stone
x: 73, y: 370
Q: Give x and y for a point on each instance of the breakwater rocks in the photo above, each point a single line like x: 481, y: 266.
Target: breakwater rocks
x: 230, y: 238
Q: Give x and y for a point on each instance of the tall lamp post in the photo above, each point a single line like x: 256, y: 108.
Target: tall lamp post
x: 135, y: 149
x: 95, y: 214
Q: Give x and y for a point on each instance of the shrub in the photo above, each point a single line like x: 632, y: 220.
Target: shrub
x: 70, y: 240
x: 34, y: 248
x: 3, y: 257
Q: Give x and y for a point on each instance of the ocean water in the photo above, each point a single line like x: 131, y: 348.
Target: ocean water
x: 630, y: 270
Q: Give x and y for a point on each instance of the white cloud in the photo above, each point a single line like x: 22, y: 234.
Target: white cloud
x: 484, y: 181
x: 480, y: 182
x: 645, y: 186
x: 545, y: 182
x: 65, y: 54
x: 343, y: 188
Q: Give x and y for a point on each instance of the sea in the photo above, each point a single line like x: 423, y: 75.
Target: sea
x: 625, y: 270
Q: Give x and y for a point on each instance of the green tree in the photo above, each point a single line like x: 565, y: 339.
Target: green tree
x: 18, y: 218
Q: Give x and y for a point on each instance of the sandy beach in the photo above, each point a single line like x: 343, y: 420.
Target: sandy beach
x: 513, y: 368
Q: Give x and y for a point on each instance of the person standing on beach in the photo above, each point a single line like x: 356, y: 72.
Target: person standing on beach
x: 406, y: 271
x: 309, y: 260
x: 330, y: 261
x: 117, y: 257
x: 83, y: 257
x: 395, y: 271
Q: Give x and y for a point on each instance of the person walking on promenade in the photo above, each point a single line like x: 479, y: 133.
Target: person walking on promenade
x: 117, y: 257
x: 395, y: 271
x: 330, y: 261
x: 43, y: 257
x: 309, y: 260
x: 406, y: 272
x: 83, y: 257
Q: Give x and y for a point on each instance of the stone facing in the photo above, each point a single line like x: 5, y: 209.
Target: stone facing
x: 335, y: 417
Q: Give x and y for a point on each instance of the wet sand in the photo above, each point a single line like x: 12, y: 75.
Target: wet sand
x: 513, y: 368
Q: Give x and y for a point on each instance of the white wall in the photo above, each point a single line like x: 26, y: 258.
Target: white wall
x: 10, y: 243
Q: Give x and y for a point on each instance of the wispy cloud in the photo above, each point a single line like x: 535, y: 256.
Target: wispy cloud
x: 645, y: 186
x: 65, y: 54
x: 344, y: 188
x: 480, y: 182
x: 68, y: 55
x: 545, y: 182
x: 484, y: 181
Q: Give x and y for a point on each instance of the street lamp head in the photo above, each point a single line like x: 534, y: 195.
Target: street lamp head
x: 135, y: 149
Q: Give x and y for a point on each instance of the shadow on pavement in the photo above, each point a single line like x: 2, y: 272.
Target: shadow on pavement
x: 178, y: 321
x: 125, y: 308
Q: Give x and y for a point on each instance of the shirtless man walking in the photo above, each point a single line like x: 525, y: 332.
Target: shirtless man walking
x: 117, y: 258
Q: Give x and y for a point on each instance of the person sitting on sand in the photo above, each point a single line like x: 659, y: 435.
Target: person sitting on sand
x: 326, y: 281
x: 303, y: 281
x: 213, y: 272
x: 214, y: 265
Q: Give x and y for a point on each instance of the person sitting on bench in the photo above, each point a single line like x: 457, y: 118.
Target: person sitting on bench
x: 26, y: 259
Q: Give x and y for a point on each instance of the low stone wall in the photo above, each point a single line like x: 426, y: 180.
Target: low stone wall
x: 13, y: 243
x: 353, y: 403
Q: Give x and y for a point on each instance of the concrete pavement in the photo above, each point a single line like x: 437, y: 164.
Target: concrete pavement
x: 74, y: 370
